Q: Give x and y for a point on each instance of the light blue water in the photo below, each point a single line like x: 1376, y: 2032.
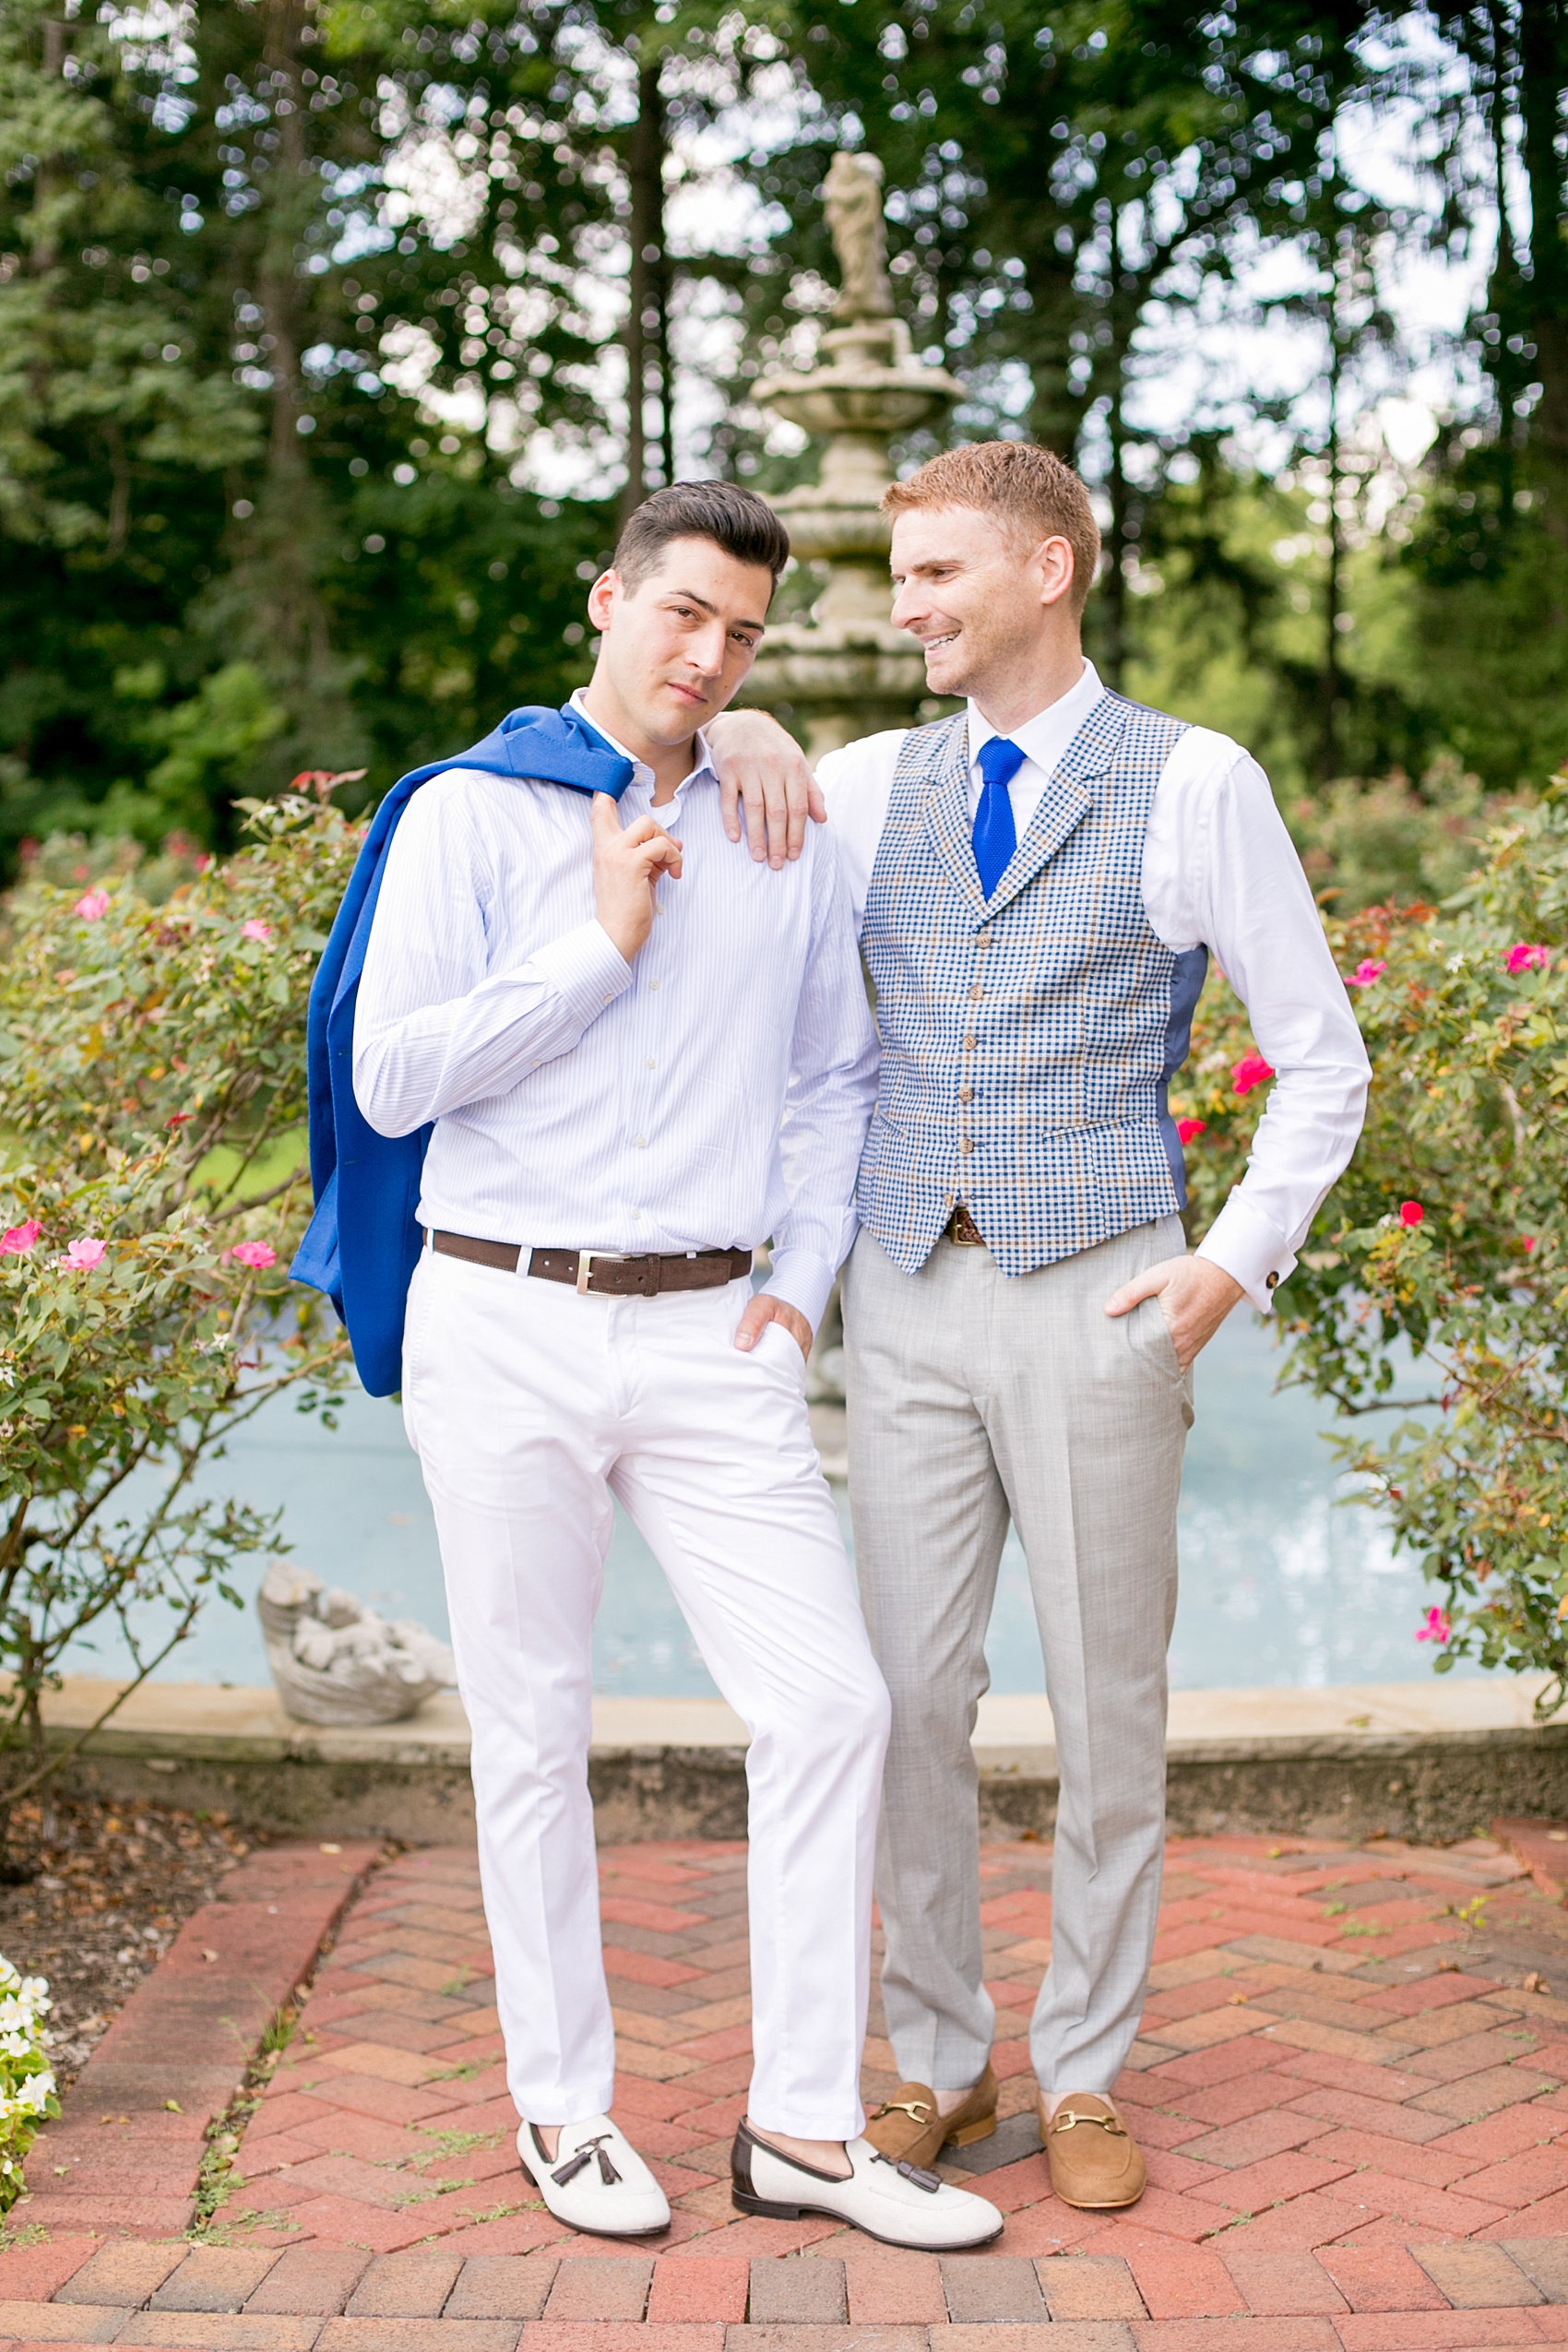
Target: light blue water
x: 1283, y: 1581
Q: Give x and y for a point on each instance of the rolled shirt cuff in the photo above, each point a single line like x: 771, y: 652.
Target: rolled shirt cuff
x: 1243, y: 1245
x: 587, y: 970
x: 803, y: 1281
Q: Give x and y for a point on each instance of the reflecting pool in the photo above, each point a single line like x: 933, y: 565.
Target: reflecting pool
x: 1283, y: 1580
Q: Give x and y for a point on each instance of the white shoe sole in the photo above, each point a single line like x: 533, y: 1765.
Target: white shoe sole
x: 770, y: 2211
x: 841, y: 2209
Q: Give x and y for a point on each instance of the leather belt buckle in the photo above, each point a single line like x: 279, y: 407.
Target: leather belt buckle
x: 962, y: 1229
x: 585, y: 1262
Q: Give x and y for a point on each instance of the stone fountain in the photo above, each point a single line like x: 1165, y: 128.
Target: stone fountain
x: 848, y: 672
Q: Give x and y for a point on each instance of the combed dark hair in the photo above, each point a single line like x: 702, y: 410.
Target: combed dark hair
x: 739, y: 522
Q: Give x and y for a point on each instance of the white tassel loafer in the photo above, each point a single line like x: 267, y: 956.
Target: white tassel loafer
x: 596, y: 2181
x: 896, y: 2203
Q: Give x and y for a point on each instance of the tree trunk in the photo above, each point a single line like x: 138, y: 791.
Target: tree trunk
x: 1126, y: 292
x: 1543, y: 50
x: 278, y: 289
x: 647, y: 306
x: 1331, y: 684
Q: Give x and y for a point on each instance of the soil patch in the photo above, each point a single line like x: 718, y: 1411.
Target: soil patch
x: 107, y: 1889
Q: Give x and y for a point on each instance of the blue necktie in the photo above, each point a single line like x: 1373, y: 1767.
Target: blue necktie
x: 996, y: 835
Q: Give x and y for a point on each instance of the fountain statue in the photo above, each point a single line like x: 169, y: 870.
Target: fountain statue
x: 334, y: 1660
x: 848, y: 672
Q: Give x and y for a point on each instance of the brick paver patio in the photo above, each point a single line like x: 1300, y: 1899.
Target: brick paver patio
x: 1351, y: 2082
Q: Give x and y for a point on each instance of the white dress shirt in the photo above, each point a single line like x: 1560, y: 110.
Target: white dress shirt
x: 1219, y: 871
x: 711, y: 1095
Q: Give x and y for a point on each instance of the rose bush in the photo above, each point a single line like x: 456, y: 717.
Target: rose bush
x: 152, y: 1189
x: 26, y: 2078
x: 1436, y: 1274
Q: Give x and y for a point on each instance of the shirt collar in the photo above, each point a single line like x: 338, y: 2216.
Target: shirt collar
x: 702, y: 768
x: 1044, y: 738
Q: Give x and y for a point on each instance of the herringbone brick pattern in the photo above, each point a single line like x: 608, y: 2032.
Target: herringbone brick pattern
x: 1352, y: 2090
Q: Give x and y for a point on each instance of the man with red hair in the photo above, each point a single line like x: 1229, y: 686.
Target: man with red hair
x: 1039, y: 882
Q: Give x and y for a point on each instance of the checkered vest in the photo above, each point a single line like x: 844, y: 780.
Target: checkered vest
x: 1027, y: 1040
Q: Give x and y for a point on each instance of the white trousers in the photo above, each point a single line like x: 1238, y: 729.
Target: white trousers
x: 529, y: 1408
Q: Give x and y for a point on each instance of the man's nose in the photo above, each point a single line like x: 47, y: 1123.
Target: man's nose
x: 705, y: 653
x: 908, y: 605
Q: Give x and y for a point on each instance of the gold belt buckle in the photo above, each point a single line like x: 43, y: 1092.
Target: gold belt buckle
x: 962, y: 1230
x: 585, y: 1265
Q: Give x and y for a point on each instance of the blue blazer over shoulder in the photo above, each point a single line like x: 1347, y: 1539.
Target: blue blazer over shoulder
x: 364, y: 1241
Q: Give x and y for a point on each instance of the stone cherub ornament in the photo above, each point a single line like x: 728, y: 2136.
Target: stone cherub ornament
x: 336, y: 1661
x: 852, y: 200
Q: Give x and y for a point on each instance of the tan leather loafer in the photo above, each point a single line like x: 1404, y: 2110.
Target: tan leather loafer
x: 1092, y: 2157
x: 907, y: 2128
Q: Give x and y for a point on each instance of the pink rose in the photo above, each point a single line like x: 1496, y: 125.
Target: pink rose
x: 255, y: 929
x: 1410, y: 1212
x: 1250, y: 1072
x: 1189, y: 1129
x: 1436, y: 1627
x: 92, y: 906
x: 83, y: 1254
x: 19, y: 1238
x: 1523, y: 958
x: 1369, y: 969
x: 256, y: 1253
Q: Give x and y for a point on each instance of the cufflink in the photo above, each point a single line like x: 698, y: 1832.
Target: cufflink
x: 1273, y: 1281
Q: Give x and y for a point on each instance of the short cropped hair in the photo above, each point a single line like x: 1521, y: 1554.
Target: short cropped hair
x: 739, y: 522
x: 1026, y: 487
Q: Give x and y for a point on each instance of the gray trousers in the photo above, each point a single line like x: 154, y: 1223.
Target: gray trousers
x: 974, y: 1398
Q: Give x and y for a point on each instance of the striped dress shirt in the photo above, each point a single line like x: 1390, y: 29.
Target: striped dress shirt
x: 713, y: 1093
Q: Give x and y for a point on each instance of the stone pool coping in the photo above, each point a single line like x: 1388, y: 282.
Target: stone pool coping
x: 1430, y: 1759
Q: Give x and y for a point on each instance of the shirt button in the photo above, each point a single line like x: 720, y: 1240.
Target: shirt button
x: 651, y: 1063
x: 966, y: 1144
x: 642, y: 1142
x: 653, y: 983
x: 966, y: 1094
x: 637, y: 1217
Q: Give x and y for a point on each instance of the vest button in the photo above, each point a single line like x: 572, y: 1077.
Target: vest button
x: 976, y: 993
x: 966, y: 1144
x: 966, y: 1094
x: 983, y: 938
x: 969, y: 1045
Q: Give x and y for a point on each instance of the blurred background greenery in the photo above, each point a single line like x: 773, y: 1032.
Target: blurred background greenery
x: 318, y: 321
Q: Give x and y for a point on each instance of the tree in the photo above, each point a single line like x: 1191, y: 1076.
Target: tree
x: 1491, y: 556
x: 287, y: 298
x: 1063, y: 184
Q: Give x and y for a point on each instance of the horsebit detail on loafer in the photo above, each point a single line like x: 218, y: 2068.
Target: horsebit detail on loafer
x: 916, y: 2107
x: 1069, y: 2117
x: 585, y: 2156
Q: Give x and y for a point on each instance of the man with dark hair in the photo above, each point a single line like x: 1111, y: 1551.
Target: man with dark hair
x: 1040, y: 881
x: 739, y: 522
x: 637, y: 1057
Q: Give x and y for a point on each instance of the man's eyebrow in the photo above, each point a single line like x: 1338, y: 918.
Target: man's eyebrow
x: 690, y: 596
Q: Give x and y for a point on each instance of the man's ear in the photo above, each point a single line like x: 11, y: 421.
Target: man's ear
x: 603, y: 597
x: 1054, y: 560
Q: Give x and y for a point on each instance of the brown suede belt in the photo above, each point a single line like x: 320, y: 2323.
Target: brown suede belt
x: 603, y: 1272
